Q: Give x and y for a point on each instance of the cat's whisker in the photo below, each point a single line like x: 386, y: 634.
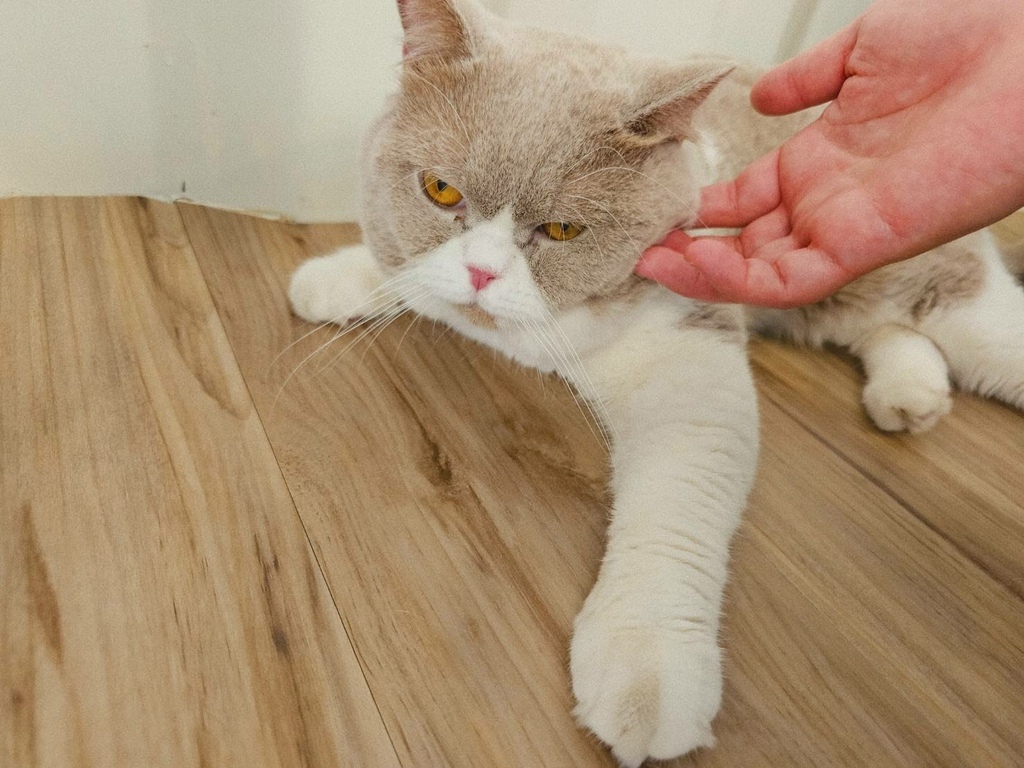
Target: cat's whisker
x: 589, y: 388
x: 364, y: 331
x: 581, y: 400
x: 383, y: 293
x: 447, y: 330
x: 346, y: 326
x: 320, y: 348
x: 603, y: 147
x: 551, y: 344
x: 383, y: 327
x: 572, y: 362
x: 370, y: 310
x: 404, y: 179
x: 315, y: 329
x: 363, y: 322
x: 415, y: 321
x: 390, y: 307
x: 375, y: 328
x: 672, y: 193
x: 639, y: 251
x: 589, y: 228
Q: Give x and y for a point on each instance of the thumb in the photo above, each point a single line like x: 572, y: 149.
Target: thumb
x: 812, y: 78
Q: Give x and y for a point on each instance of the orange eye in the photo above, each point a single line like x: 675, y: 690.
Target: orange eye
x: 561, y: 230
x: 441, y: 192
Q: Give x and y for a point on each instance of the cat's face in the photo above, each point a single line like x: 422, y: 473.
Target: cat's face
x: 520, y: 172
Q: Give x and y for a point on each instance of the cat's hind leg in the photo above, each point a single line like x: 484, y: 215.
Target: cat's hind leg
x: 982, y: 338
x: 907, y: 379
x: 339, y: 287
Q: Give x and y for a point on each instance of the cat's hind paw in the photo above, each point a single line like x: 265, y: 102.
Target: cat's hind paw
x: 337, y: 288
x: 644, y: 692
x: 907, y: 385
x: 898, y: 404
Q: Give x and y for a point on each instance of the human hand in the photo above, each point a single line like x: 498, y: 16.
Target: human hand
x: 921, y: 144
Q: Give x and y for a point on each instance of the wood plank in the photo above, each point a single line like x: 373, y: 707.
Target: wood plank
x: 457, y: 504
x: 160, y: 603
x: 879, y: 640
x: 450, y: 520
x: 962, y: 478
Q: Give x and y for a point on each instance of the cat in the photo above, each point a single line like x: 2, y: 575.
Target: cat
x: 509, y: 188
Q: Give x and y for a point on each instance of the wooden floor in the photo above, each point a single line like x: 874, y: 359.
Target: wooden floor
x: 224, y: 545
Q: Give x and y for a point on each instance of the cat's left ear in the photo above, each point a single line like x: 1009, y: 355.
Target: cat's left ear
x: 668, y: 99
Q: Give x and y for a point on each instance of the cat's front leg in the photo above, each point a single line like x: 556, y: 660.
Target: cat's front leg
x: 646, y: 667
x: 341, y: 286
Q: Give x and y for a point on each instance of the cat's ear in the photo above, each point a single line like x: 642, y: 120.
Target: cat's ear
x: 668, y: 99
x: 436, y: 28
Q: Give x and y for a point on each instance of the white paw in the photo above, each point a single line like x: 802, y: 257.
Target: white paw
x: 336, y: 288
x: 905, y: 403
x: 644, y: 691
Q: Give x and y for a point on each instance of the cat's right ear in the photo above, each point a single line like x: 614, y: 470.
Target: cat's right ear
x: 435, y: 29
x: 669, y: 98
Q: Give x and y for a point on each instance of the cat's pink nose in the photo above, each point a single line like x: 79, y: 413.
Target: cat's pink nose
x: 480, y: 278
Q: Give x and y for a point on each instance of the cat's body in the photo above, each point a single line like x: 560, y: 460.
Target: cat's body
x: 498, y: 136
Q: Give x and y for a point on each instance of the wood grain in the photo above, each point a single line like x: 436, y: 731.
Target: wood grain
x: 161, y: 604
x: 962, y: 479
x: 459, y: 531
x: 197, y: 485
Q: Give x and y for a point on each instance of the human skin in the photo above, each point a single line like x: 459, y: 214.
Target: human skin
x: 923, y: 142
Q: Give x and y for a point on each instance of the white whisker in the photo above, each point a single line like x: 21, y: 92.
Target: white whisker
x: 396, y: 296
x: 589, y: 228
x: 625, y: 231
x: 604, y: 147
x: 589, y: 388
x: 415, y: 321
x: 378, y: 325
x: 381, y: 297
x: 571, y: 368
x: 672, y: 193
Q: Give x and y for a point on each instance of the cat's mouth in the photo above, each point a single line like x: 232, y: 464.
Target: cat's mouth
x: 477, y: 316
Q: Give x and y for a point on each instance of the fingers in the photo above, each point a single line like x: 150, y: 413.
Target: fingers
x: 797, y: 277
x: 667, y: 262
x: 677, y: 240
x: 670, y: 268
x: 750, y: 195
x: 807, y: 80
x: 714, y: 269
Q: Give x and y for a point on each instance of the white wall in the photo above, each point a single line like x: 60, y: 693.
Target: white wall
x: 261, y: 104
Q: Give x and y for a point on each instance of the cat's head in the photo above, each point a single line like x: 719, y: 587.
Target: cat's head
x: 520, y: 171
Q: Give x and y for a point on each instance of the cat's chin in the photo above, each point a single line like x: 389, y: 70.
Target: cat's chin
x: 478, y: 316
x: 454, y: 313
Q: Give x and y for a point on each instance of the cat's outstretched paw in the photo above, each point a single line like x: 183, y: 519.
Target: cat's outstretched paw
x: 645, y: 692
x: 336, y: 288
x: 900, y: 404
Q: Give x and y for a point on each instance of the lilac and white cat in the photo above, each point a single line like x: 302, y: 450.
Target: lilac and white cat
x: 511, y: 185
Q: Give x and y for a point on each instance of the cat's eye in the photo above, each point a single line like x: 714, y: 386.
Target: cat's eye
x: 561, y: 230
x: 440, y: 191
